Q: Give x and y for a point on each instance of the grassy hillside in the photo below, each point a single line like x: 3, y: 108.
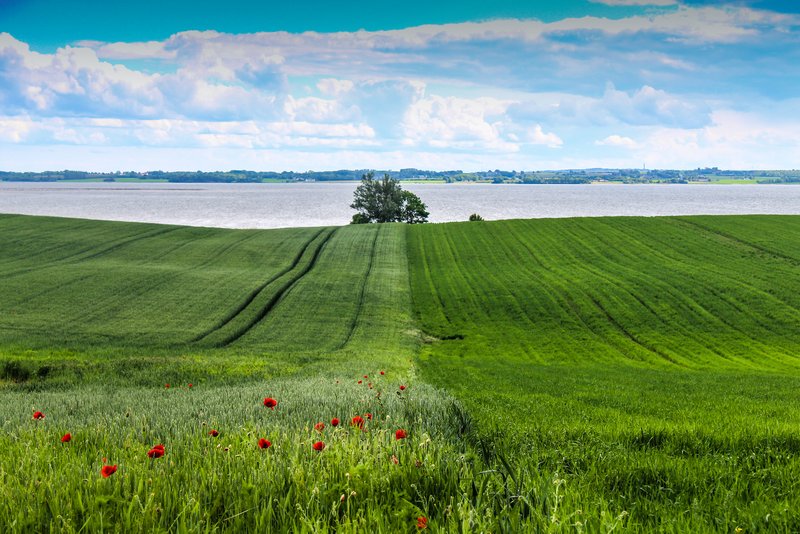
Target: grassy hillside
x: 189, y: 301
x: 573, y: 374
x: 648, y: 367
x: 675, y: 292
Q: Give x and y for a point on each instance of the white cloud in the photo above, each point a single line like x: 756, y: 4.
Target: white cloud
x: 539, y: 137
x: 334, y: 87
x: 511, y: 89
x: 14, y: 130
x: 127, y: 51
x: 644, y: 106
x: 615, y: 140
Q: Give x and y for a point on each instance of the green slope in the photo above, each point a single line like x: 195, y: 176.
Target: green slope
x: 648, y: 368
x: 662, y: 291
x: 635, y: 373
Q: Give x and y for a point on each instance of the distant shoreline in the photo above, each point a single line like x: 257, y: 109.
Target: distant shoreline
x: 708, y: 175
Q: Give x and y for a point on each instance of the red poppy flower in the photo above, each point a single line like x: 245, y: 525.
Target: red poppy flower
x: 166, y: 386
x: 366, y: 376
x: 357, y: 421
x: 370, y: 385
x: 156, y: 452
x: 335, y: 421
x: 66, y: 438
x: 108, y: 470
x: 369, y: 416
x: 400, y: 434
x: 382, y: 373
x: 360, y: 381
x: 422, y: 522
x: 402, y: 388
x: 190, y: 384
x: 270, y: 403
x: 318, y: 446
x: 38, y: 415
x: 264, y: 443
x: 213, y: 433
x: 319, y: 427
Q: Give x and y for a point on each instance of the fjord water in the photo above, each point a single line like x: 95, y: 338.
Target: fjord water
x: 323, y: 204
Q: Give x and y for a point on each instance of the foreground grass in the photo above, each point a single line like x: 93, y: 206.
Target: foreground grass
x: 564, y: 375
x: 363, y: 479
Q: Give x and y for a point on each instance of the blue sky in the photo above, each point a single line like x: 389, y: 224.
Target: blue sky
x: 441, y: 85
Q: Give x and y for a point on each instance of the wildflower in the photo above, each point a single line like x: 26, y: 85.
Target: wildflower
x: 319, y: 427
x: 38, y: 415
x: 264, y: 443
x: 213, y: 433
x: 108, y: 470
x: 156, y: 452
x: 357, y: 421
x: 190, y: 384
x: 402, y: 387
x: 382, y: 373
x: 318, y: 446
x: 400, y: 434
x: 366, y: 376
x: 368, y: 415
x: 270, y: 403
x: 66, y: 438
x: 395, y: 461
x: 335, y: 421
x: 422, y: 522
x: 166, y: 386
x: 370, y: 385
x: 360, y: 381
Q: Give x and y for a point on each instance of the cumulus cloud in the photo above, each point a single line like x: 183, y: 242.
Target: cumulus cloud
x: 615, y: 140
x: 334, y: 87
x: 644, y: 106
x: 653, y: 106
x: 510, y: 88
x: 469, y: 124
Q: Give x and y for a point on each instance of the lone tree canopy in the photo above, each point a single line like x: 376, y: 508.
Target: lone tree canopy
x: 383, y: 200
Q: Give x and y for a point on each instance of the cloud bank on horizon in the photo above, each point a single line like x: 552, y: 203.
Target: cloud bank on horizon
x: 665, y: 84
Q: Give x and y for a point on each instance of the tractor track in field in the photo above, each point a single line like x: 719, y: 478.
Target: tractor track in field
x: 632, y: 337
x: 738, y: 240
x: 238, y: 310
x: 360, y: 305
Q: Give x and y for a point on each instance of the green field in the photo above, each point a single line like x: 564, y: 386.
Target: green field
x: 597, y: 374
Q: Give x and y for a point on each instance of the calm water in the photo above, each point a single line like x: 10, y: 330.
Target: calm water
x: 319, y: 204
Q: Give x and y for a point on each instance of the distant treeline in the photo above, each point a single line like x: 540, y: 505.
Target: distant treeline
x: 582, y: 176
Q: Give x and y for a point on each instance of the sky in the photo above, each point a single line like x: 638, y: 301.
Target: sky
x: 320, y: 85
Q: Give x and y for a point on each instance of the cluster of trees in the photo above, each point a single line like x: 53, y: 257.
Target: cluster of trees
x: 383, y: 200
